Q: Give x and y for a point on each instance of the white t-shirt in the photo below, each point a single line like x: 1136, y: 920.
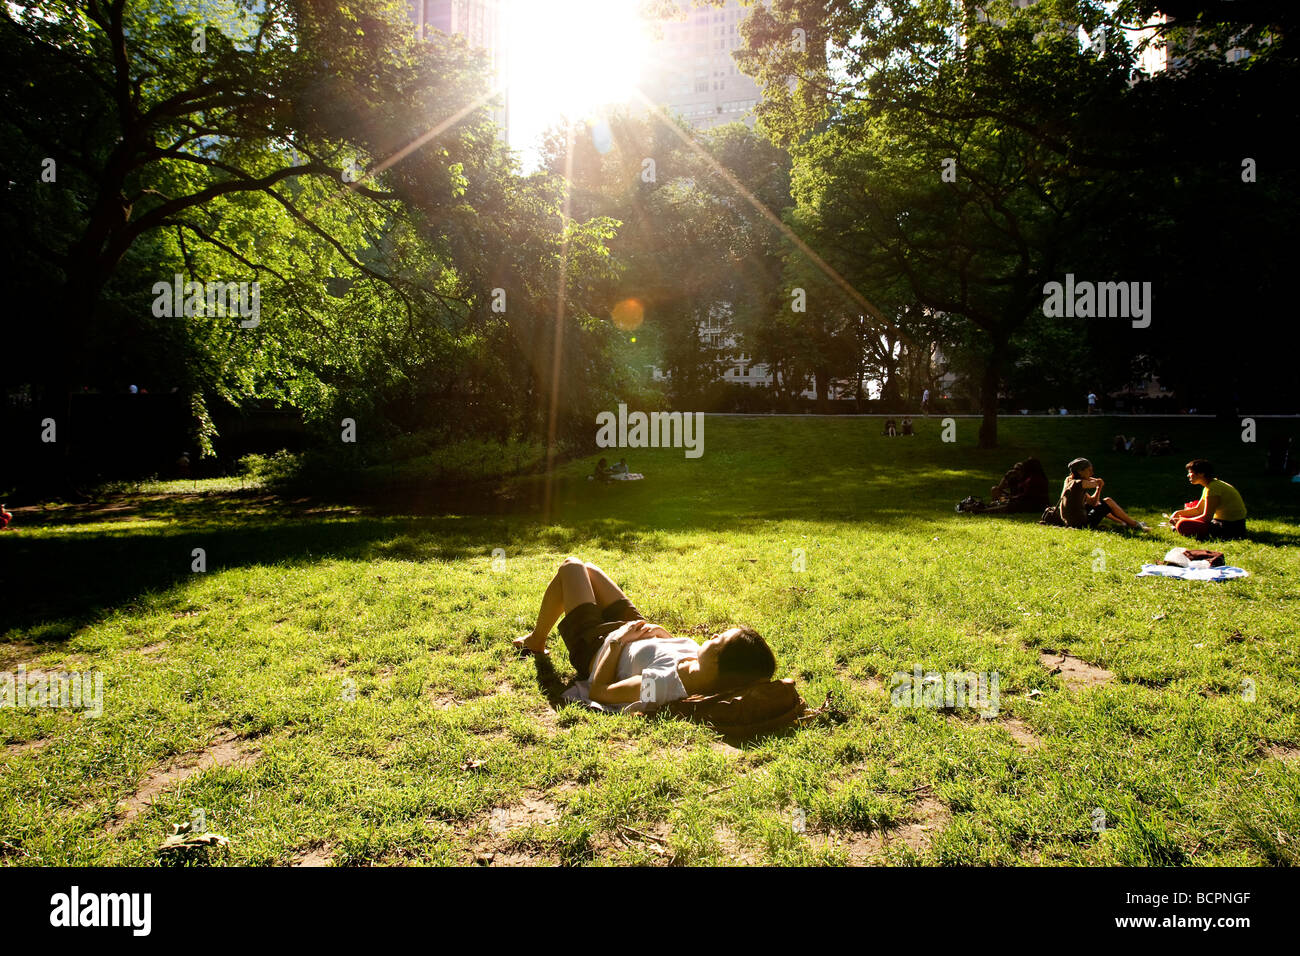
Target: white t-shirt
x: 925, y: 396
x: 657, y: 658
x: 1092, y: 399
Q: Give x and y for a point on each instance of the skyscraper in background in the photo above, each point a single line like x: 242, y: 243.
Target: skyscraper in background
x: 691, y: 72
x: 479, y: 22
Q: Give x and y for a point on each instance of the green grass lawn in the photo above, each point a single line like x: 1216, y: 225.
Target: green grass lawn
x: 339, y: 684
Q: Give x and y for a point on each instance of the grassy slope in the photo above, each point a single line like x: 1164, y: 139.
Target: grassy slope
x: 294, y: 605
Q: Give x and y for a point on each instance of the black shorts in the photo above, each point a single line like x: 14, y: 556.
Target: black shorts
x: 585, y: 628
x: 1097, y: 514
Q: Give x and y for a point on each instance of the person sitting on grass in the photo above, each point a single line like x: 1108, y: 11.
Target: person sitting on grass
x: 1081, y: 504
x: 1008, y: 486
x: 1022, y: 489
x: 611, y: 644
x: 891, y: 429
x: 1220, y: 513
x: 907, y: 427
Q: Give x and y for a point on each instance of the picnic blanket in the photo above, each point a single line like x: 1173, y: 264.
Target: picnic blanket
x: 1222, y: 573
x: 629, y: 476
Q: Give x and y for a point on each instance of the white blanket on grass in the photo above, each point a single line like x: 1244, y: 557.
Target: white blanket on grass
x: 1223, y: 573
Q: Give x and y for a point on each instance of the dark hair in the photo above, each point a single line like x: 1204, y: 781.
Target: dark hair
x: 1200, y: 466
x: 1032, y: 466
x: 745, y: 658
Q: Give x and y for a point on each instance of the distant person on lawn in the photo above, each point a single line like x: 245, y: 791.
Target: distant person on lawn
x: 1220, y: 513
x: 907, y: 427
x: 612, y: 644
x: 1081, y: 504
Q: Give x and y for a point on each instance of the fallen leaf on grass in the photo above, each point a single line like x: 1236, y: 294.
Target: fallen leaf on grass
x: 185, y: 840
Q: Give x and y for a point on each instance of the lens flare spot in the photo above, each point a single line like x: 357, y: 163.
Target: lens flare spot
x: 628, y: 315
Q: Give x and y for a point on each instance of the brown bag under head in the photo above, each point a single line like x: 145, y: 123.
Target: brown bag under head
x: 1200, y: 554
x: 745, y: 711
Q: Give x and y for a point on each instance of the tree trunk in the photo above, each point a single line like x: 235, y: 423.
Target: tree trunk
x: 989, y: 393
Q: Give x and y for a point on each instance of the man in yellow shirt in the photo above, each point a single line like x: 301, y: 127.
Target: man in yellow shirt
x: 1220, y: 513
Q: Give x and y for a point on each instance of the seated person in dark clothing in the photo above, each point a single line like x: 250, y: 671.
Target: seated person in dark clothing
x: 891, y: 429
x: 1008, y: 486
x: 1032, y: 493
x: 1081, y: 504
x: 602, y: 472
x: 1022, y: 489
x: 907, y: 427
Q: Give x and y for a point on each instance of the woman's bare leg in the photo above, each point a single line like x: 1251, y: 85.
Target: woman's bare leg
x: 1117, y: 514
x: 570, y: 587
x: 605, y: 590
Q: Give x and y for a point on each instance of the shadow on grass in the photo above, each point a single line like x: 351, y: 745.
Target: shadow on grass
x: 550, y: 683
x: 824, y: 472
x: 57, y: 584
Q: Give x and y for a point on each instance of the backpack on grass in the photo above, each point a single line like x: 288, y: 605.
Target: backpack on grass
x: 747, y: 711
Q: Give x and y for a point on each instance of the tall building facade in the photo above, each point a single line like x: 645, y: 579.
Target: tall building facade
x: 479, y: 22
x: 690, y: 69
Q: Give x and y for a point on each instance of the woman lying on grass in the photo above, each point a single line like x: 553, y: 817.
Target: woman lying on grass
x: 610, y: 640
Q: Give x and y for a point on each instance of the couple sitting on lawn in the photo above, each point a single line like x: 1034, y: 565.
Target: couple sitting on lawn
x: 612, y: 644
x: 1220, y: 512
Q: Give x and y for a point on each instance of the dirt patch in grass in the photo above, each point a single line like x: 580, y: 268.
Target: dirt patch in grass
x: 16, y: 653
x: 38, y: 515
x: 315, y: 855
x: 153, y: 650
x: 647, y: 836
x: 1020, y: 733
x: 549, y: 720
x: 866, y: 848
x: 445, y: 701
x: 496, y: 848
x: 227, y: 750
x: 733, y: 851
x: 867, y: 685
x: 1283, y: 752
x: 1077, y: 674
x: 26, y: 746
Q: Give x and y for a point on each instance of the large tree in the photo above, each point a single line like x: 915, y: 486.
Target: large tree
x: 321, y: 150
